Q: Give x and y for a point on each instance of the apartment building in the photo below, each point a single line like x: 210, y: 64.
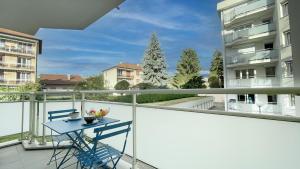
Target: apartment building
x: 258, y: 53
x: 123, y: 71
x: 18, y: 57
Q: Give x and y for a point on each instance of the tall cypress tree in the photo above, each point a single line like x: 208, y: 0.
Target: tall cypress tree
x: 154, y: 64
x: 188, y: 67
x: 217, y: 70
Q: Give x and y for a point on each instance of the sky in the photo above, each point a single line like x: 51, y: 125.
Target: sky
x: 123, y: 34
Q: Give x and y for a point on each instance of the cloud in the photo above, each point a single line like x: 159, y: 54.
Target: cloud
x: 141, y: 42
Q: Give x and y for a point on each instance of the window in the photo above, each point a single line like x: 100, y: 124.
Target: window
x: 287, y: 38
x: 22, y: 76
x: 237, y: 74
x: 267, y: 21
x: 284, y: 9
x: 269, y: 46
x: 247, y: 98
x: 119, y: 72
x: 245, y: 74
x: 241, y: 98
x: 292, y: 100
x: 271, y: 71
x: 289, y: 67
x: 272, y: 99
x: 251, y: 73
x: 23, y: 62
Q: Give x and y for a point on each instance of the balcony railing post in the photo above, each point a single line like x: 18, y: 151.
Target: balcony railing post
x: 32, y: 117
x: 44, y: 118
x: 134, y: 130
x: 82, y: 104
x: 73, y: 100
x: 22, y: 118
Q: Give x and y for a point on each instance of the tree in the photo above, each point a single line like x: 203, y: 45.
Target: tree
x: 213, y: 82
x: 188, y: 67
x: 216, y: 69
x: 194, y: 83
x: 154, y: 64
x: 122, y: 85
x: 91, y: 83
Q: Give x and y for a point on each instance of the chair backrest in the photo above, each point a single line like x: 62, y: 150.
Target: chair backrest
x: 60, y: 114
x: 120, y: 126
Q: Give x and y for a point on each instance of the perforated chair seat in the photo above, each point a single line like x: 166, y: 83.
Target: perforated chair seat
x: 102, y: 156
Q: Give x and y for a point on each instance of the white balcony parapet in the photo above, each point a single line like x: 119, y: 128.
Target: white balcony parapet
x: 244, y: 10
x: 260, y: 56
x: 246, y: 33
x: 272, y: 108
x: 16, y: 66
x: 254, y: 82
x: 21, y: 51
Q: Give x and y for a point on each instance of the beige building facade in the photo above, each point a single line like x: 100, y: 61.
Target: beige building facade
x: 18, y: 58
x: 257, y: 53
x: 123, y: 71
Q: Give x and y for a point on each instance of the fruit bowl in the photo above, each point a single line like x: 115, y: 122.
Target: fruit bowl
x: 89, y: 119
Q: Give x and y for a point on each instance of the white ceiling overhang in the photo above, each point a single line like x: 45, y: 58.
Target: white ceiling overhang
x: 28, y: 16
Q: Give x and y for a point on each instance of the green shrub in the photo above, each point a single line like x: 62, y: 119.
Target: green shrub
x: 122, y: 85
x: 148, y: 98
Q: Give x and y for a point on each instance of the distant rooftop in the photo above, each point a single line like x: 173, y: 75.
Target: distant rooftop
x: 62, y: 79
x: 127, y: 66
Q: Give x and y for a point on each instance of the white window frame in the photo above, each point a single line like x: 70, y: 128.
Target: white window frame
x: 284, y: 6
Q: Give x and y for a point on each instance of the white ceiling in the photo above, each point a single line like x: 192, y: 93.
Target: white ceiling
x: 28, y: 16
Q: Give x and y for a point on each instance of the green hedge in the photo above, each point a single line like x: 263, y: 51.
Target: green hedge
x: 148, y: 98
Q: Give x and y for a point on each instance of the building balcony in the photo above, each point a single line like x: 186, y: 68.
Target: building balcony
x: 257, y: 57
x: 247, y: 10
x: 16, y: 82
x: 16, y: 66
x: 249, y: 35
x: 17, y: 51
x: 122, y: 76
x: 257, y: 82
x: 255, y: 108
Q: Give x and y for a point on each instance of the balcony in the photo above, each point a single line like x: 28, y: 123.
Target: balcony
x: 16, y: 66
x: 163, y: 136
x: 254, y: 108
x: 5, y: 82
x: 16, y: 51
x: 250, y: 8
x: 257, y: 57
x: 254, y: 82
x: 258, y: 31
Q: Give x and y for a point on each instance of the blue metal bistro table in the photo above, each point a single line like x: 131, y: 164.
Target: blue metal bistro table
x: 73, y: 129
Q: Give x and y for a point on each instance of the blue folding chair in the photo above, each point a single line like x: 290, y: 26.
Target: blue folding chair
x: 58, y: 138
x: 99, y: 154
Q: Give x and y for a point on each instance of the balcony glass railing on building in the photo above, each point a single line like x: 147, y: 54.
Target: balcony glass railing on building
x: 16, y: 66
x: 272, y: 108
x: 260, y: 56
x: 257, y: 81
x: 246, y: 33
x: 17, y: 50
x: 244, y: 9
x: 3, y: 81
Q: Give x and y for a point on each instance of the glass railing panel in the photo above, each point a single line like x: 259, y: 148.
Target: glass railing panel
x: 252, y: 6
x: 252, y: 57
x: 229, y: 38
